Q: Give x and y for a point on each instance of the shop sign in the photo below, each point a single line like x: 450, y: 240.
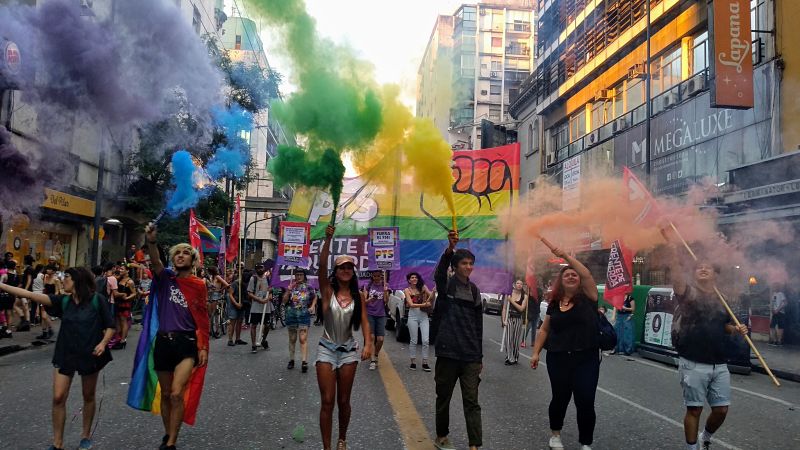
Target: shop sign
x: 11, y: 58
x: 786, y: 187
x: 732, y: 69
x: 61, y: 201
x: 571, y: 184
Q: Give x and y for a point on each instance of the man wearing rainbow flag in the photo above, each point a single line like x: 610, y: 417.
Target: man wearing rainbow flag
x: 171, y: 358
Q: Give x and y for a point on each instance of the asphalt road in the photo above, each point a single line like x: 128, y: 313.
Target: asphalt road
x: 251, y: 401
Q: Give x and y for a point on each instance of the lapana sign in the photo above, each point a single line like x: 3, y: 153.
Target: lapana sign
x: 732, y: 68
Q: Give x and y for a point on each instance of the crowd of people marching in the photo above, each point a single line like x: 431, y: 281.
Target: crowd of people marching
x: 96, y: 309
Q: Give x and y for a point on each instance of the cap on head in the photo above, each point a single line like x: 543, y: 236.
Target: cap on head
x: 343, y: 259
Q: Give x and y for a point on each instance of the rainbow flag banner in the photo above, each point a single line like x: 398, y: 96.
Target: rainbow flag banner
x: 487, y: 182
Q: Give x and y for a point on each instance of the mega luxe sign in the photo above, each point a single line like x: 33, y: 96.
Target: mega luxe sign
x: 732, y: 68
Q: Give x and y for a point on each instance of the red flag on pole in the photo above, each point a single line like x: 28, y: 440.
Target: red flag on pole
x: 194, y: 236
x: 232, y: 251
x: 639, y: 195
x: 619, y: 279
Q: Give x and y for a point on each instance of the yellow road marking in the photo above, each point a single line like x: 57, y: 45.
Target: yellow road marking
x: 415, y: 434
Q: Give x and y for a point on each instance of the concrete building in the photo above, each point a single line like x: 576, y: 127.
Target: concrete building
x: 63, y: 225
x: 490, y: 54
x: 584, y: 106
x: 241, y: 40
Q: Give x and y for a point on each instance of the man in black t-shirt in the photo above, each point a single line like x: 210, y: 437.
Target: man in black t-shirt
x: 699, y: 329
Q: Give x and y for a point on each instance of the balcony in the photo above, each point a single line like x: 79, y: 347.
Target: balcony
x: 518, y: 27
x: 518, y: 50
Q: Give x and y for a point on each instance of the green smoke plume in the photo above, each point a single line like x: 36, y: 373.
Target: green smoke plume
x: 295, y: 166
x: 336, y: 107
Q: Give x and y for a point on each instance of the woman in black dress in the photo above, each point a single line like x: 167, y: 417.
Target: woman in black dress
x: 570, y: 334
x: 86, y: 328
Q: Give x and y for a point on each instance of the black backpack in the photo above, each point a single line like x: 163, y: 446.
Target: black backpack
x: 607, y: 337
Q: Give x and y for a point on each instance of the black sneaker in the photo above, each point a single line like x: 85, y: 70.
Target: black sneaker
x: 240, y: 342
x: 264, y: 343
x: 49, y: 333
x: 426, y: 367
x: 254, y: 349
x: 44, y: 335
x: 413, y: 366
x: 231, y: 344
x: 290, y: 366
x: 304, y: 367
x: 24, y: 326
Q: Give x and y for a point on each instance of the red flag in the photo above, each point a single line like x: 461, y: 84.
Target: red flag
x: 639, y: 196
x: 194, y: 236
x: 619, y: 279
x: 233, y: 243
x: 530, y: 279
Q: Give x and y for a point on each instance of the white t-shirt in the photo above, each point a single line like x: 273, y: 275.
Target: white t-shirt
x: 38, y: 284
x: 259, y: 286
x: 778, y: 301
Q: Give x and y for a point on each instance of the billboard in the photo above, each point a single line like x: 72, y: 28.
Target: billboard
x: 732, y: 66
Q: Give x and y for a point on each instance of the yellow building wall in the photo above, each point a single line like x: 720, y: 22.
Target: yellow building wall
x: 788, y: 39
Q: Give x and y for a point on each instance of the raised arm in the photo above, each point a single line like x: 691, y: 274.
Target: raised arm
x: 24, y: 293
x: 440, y: 274
x: 588, y: 285
x: 151, y: 236
x: 325, y: 288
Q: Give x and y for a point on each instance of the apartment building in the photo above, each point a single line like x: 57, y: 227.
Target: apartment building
x: 584, y: 108
x: 490, y: 51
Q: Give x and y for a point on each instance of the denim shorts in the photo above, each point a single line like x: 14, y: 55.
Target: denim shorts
x: 704, y: 382
x: 377, y: 325
x: 337, y: 358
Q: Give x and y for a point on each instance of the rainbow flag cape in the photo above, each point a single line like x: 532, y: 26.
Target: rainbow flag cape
x: 486, y: 183
x: 144, y: 392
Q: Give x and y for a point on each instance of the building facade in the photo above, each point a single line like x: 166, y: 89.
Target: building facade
x: 490, y: 52
x: 241, y: 40
x: 63, y: 226
x: 584, y: 105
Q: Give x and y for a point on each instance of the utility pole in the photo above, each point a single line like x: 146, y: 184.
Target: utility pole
x: 648, y: 102
x: 98, y: 200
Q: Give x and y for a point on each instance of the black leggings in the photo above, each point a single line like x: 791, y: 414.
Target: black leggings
x: 574, y: 373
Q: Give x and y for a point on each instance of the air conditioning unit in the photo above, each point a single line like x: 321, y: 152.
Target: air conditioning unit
x: 604, y: 94
x: 695, y: 85
x: 637, y: 71
x: 669, y: 100
x: 593, y: 137
x: 619, y: 125
x: 551, y: 159
x: 494, y: 74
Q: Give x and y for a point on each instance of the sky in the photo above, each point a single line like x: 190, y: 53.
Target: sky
x: 391, y: 35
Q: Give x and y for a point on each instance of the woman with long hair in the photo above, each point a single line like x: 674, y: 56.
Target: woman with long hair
x: 86, y: 328
x: 337, y: 354
x: 126, y: 294
x: 418, y: 302
x: 514, y: 307
x: 217, y: 288
x: 300, y: 301
x: 570, y: 334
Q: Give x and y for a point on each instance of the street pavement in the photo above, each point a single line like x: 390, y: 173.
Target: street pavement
x: 251, y: 401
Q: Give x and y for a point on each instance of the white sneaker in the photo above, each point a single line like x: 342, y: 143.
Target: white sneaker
x: 585, y: 447
x: 372, y: 365
x: 555, y: 442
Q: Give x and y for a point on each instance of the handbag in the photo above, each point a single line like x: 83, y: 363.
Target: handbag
x: 607, y: 337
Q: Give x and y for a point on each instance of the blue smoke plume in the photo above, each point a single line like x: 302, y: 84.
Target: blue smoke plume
x: 232, y: 158
x: 185, y: 175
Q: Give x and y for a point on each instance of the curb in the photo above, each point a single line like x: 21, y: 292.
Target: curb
x: 782, y: 374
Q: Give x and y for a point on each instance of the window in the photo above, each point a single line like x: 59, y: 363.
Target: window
x: 494, y: 114
x: 577, y: 125
x: 666, y: 71
x: 484, y: 92
x: 497, y: 65
x: 497, y: 42
x: 512, y: 94
x: 495, y: 89
x: 534, y: 136
x: 635, y: 94
x: 600, y: 114
x: 468, y: 65
x: 700, y: 53
x: 238, y: 45
x: 618, y: 103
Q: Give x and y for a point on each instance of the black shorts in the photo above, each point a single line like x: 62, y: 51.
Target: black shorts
x: 6, y: 302
x: 255, y: 318
x: 170, y: 350
x: 84, y: 365
x: 778, y: 321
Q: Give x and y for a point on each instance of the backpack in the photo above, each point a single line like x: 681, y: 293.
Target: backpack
x: 607, y: 337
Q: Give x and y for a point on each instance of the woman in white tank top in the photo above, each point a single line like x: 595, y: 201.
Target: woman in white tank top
x: 343, y: 313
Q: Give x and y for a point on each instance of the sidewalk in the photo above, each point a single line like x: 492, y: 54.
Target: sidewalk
x: 783, y: 361
x: 27, y: 339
